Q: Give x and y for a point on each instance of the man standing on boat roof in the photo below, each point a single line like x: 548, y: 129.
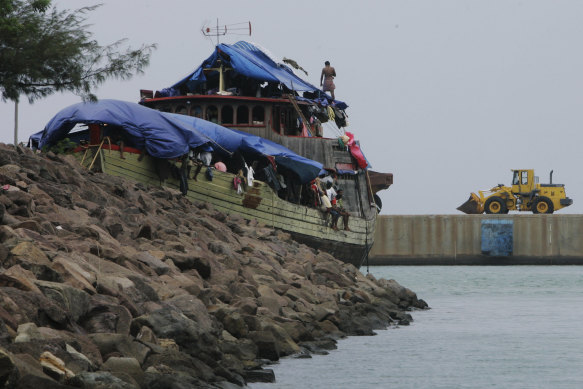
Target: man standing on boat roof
x: 328, y: 74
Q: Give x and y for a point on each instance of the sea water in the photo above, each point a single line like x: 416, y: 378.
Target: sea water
x: 488, y: 327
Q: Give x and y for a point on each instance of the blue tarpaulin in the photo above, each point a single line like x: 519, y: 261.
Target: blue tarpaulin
x: 162, y: 136
x: 233, y: 140
x: 167, y: 135
x: 248, y: 60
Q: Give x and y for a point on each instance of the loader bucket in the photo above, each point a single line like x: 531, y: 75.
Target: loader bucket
x: 473, y: 206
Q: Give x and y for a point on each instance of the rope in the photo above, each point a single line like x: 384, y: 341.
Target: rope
x: 366, y: 244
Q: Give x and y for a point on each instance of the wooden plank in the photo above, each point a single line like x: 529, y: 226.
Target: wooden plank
x: 272, y: 210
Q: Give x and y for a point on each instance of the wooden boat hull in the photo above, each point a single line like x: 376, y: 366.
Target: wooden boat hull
x: 305, y: 224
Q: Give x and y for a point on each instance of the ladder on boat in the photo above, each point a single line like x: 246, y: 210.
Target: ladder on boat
x: 294, y: 102
x: 96, y: 149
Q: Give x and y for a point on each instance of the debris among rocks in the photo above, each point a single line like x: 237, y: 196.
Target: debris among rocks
x: 105, y: 282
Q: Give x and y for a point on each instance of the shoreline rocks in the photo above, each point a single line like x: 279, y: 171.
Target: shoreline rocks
x: 105, y: 282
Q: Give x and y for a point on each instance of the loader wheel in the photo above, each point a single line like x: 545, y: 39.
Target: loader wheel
x: 495, y: 205
x: 542, y: 205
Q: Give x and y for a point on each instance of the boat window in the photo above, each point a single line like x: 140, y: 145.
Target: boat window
x: 242, y: 114
x: 290, y: 123
x: 258, y: 115
x: 227, y: 115
x: 196, y: 111
x: 181, y: 109
x: 212, y: 114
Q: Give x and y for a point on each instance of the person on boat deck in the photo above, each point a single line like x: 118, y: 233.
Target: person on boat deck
x: 327, y: 208
x: 330, y: 192
x: 118, y: 138
x: 326, y: 204
x: 220, y: 165
x: 341, y: 210
x: 313, y: 193
x: 328, y: 74
x: 333, y: 178
x: 335, y: 214
x: 203, y: 156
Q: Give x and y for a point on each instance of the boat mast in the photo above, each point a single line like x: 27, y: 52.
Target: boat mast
x: 235, y: 29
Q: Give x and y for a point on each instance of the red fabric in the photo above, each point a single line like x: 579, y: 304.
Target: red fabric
x: 305, y: 131
x: 272, y: 161
x: 355, y: 151
x: 314, y: 189
x: 236, y: 182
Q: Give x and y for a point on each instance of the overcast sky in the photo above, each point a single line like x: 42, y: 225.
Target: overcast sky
x: 448, y: 95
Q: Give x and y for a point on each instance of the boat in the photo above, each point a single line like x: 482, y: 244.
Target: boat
x: 247, y: 107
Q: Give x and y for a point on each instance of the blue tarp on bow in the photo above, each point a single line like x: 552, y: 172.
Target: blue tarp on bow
x: 162, y: 136
x: 167, y: 135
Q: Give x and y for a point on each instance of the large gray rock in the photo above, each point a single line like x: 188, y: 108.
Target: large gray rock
x: 267, y: 346
x: 170, y: 322
x: 73, y: 300
x: 22, y: 371
x: 120, y: 345
x: 124, y: 365
x: 27, y: 332
x: 99, y: 380
x: 104, y: 315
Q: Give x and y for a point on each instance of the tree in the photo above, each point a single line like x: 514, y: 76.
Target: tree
x: 43, y: 51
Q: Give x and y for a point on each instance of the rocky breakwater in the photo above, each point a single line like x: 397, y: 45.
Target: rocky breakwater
x: 107, y: 283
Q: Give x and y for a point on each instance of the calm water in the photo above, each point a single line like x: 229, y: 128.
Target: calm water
x: 489, y: 327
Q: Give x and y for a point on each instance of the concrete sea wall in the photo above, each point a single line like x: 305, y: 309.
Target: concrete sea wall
x: 458, y: 240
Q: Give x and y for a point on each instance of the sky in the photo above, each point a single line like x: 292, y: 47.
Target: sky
x: 448, y: 95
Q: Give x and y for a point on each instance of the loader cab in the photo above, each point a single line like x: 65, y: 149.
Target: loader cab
x: 523, y: 181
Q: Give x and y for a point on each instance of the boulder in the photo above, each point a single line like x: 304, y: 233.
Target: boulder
x: 55, y: 367
x: 99, y: 380
x: 176, y: 363
x: 267, y: 346
x: 120, y: 345
x: 23, y: 306
x: 73, y: 274
x: 27, y: 332
x: 187, y: 261
x: 22, y: 371
x: 170, y: 322
x: 71, y: 299
x: 69, y: 342
x: 153, y: 262
x: 129, y: 366
x: 20, y: 278
x: 195, y: 310
x: 106, y: 316
x: 30, y: 257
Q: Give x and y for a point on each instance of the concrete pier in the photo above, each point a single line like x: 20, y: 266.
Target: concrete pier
x: 458, y: 240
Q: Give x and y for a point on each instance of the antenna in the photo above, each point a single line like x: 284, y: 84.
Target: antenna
x: 243, y: 28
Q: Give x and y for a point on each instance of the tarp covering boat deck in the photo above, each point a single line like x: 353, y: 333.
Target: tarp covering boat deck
x: 162, y: 136
x: 248, y: 60
x: 233, y: 140
x: 167, y: 135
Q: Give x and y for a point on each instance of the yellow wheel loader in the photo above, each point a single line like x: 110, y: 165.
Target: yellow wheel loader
x: 525, y: 194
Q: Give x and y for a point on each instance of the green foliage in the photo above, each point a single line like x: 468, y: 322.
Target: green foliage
x: 43, y: 51
x: 63, y: 146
